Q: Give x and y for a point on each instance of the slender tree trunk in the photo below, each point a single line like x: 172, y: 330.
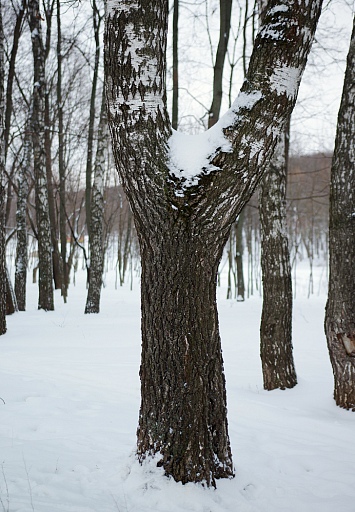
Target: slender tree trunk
x: 21, y: 213
x: 97, y: 210
x: 89, y: 159
x: 61, y: 166
x: 276, y: 319
x: 340, y: 310
x: 225, y: 11
x: 175, y: 109
x: 11, y: 302
x: 45, y: 300
x: 2, y: 184
x: 56, y: 263
x: 11, y: 71
x: 183, y: 217
x: 239, y: 250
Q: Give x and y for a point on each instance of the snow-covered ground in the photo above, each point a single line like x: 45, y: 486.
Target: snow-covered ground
x: 71, y: 390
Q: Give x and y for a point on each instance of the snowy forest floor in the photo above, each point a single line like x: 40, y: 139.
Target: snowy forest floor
x: 71, y: 389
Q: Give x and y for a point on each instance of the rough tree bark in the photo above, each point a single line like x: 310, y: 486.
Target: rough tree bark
x: 276, y: 350
x: 183, y: 214
x: 97, y: 210
x: 21, y: 213
x: 340, y: 310
x: 45, y: 300
x: 175, y: 106
x: 2, y: 184
x: 276, y: 319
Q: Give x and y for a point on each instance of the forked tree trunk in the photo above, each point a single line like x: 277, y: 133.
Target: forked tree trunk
x: 276, y: 319
x: 183, y: 217
x: 2, y: 184
x: 340, y: 310
x: 45, y: 300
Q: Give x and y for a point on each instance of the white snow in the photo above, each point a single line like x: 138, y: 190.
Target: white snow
x: 191, y: 155
x: 71, y: 389
x: 285, y: 80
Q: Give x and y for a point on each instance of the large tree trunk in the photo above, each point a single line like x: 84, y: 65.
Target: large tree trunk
x: 340, y: 311
x: 45, y: 300
x: 183, y: 217
x: 276, y: 319
x: 2, y: 185
x: 183, y: 408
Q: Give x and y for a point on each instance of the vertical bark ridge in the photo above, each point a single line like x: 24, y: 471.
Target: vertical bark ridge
x: 340, y: 310
x: 276, y: 320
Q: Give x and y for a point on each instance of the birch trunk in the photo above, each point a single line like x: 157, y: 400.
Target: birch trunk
x: 21, y: 213
x: 183, y: 217
x: 97, y: 211
x: 340, y: 310
x: 45, y: 300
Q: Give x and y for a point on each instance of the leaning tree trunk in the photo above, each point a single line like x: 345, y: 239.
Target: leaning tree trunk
x: 97, y: 210
x: 45, y: 300
x: 276, y: 319
x: 2, y: 185
x: 340, y: 310
x: 183, y: 216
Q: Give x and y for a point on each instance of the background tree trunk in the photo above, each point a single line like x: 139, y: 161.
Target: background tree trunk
x: 21, y: 214
x: 89, y: 159
x: 2, y: 185
x: 45, y: 300
x: 276, y: 319
x: 225, y: 11
x: 340, y: 310
x: 61, y: 166
x: 97, y: 210
x: 175, y: 106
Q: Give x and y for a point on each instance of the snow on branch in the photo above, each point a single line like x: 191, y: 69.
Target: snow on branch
x: 190, y: 156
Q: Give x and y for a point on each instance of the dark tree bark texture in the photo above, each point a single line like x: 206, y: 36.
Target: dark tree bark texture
x: 183, y: 221
x: 340, y: 310
x: 276, y: 319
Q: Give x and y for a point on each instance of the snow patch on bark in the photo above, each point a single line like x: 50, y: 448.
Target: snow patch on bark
x: 285, y: 80
x: 190, y: 156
